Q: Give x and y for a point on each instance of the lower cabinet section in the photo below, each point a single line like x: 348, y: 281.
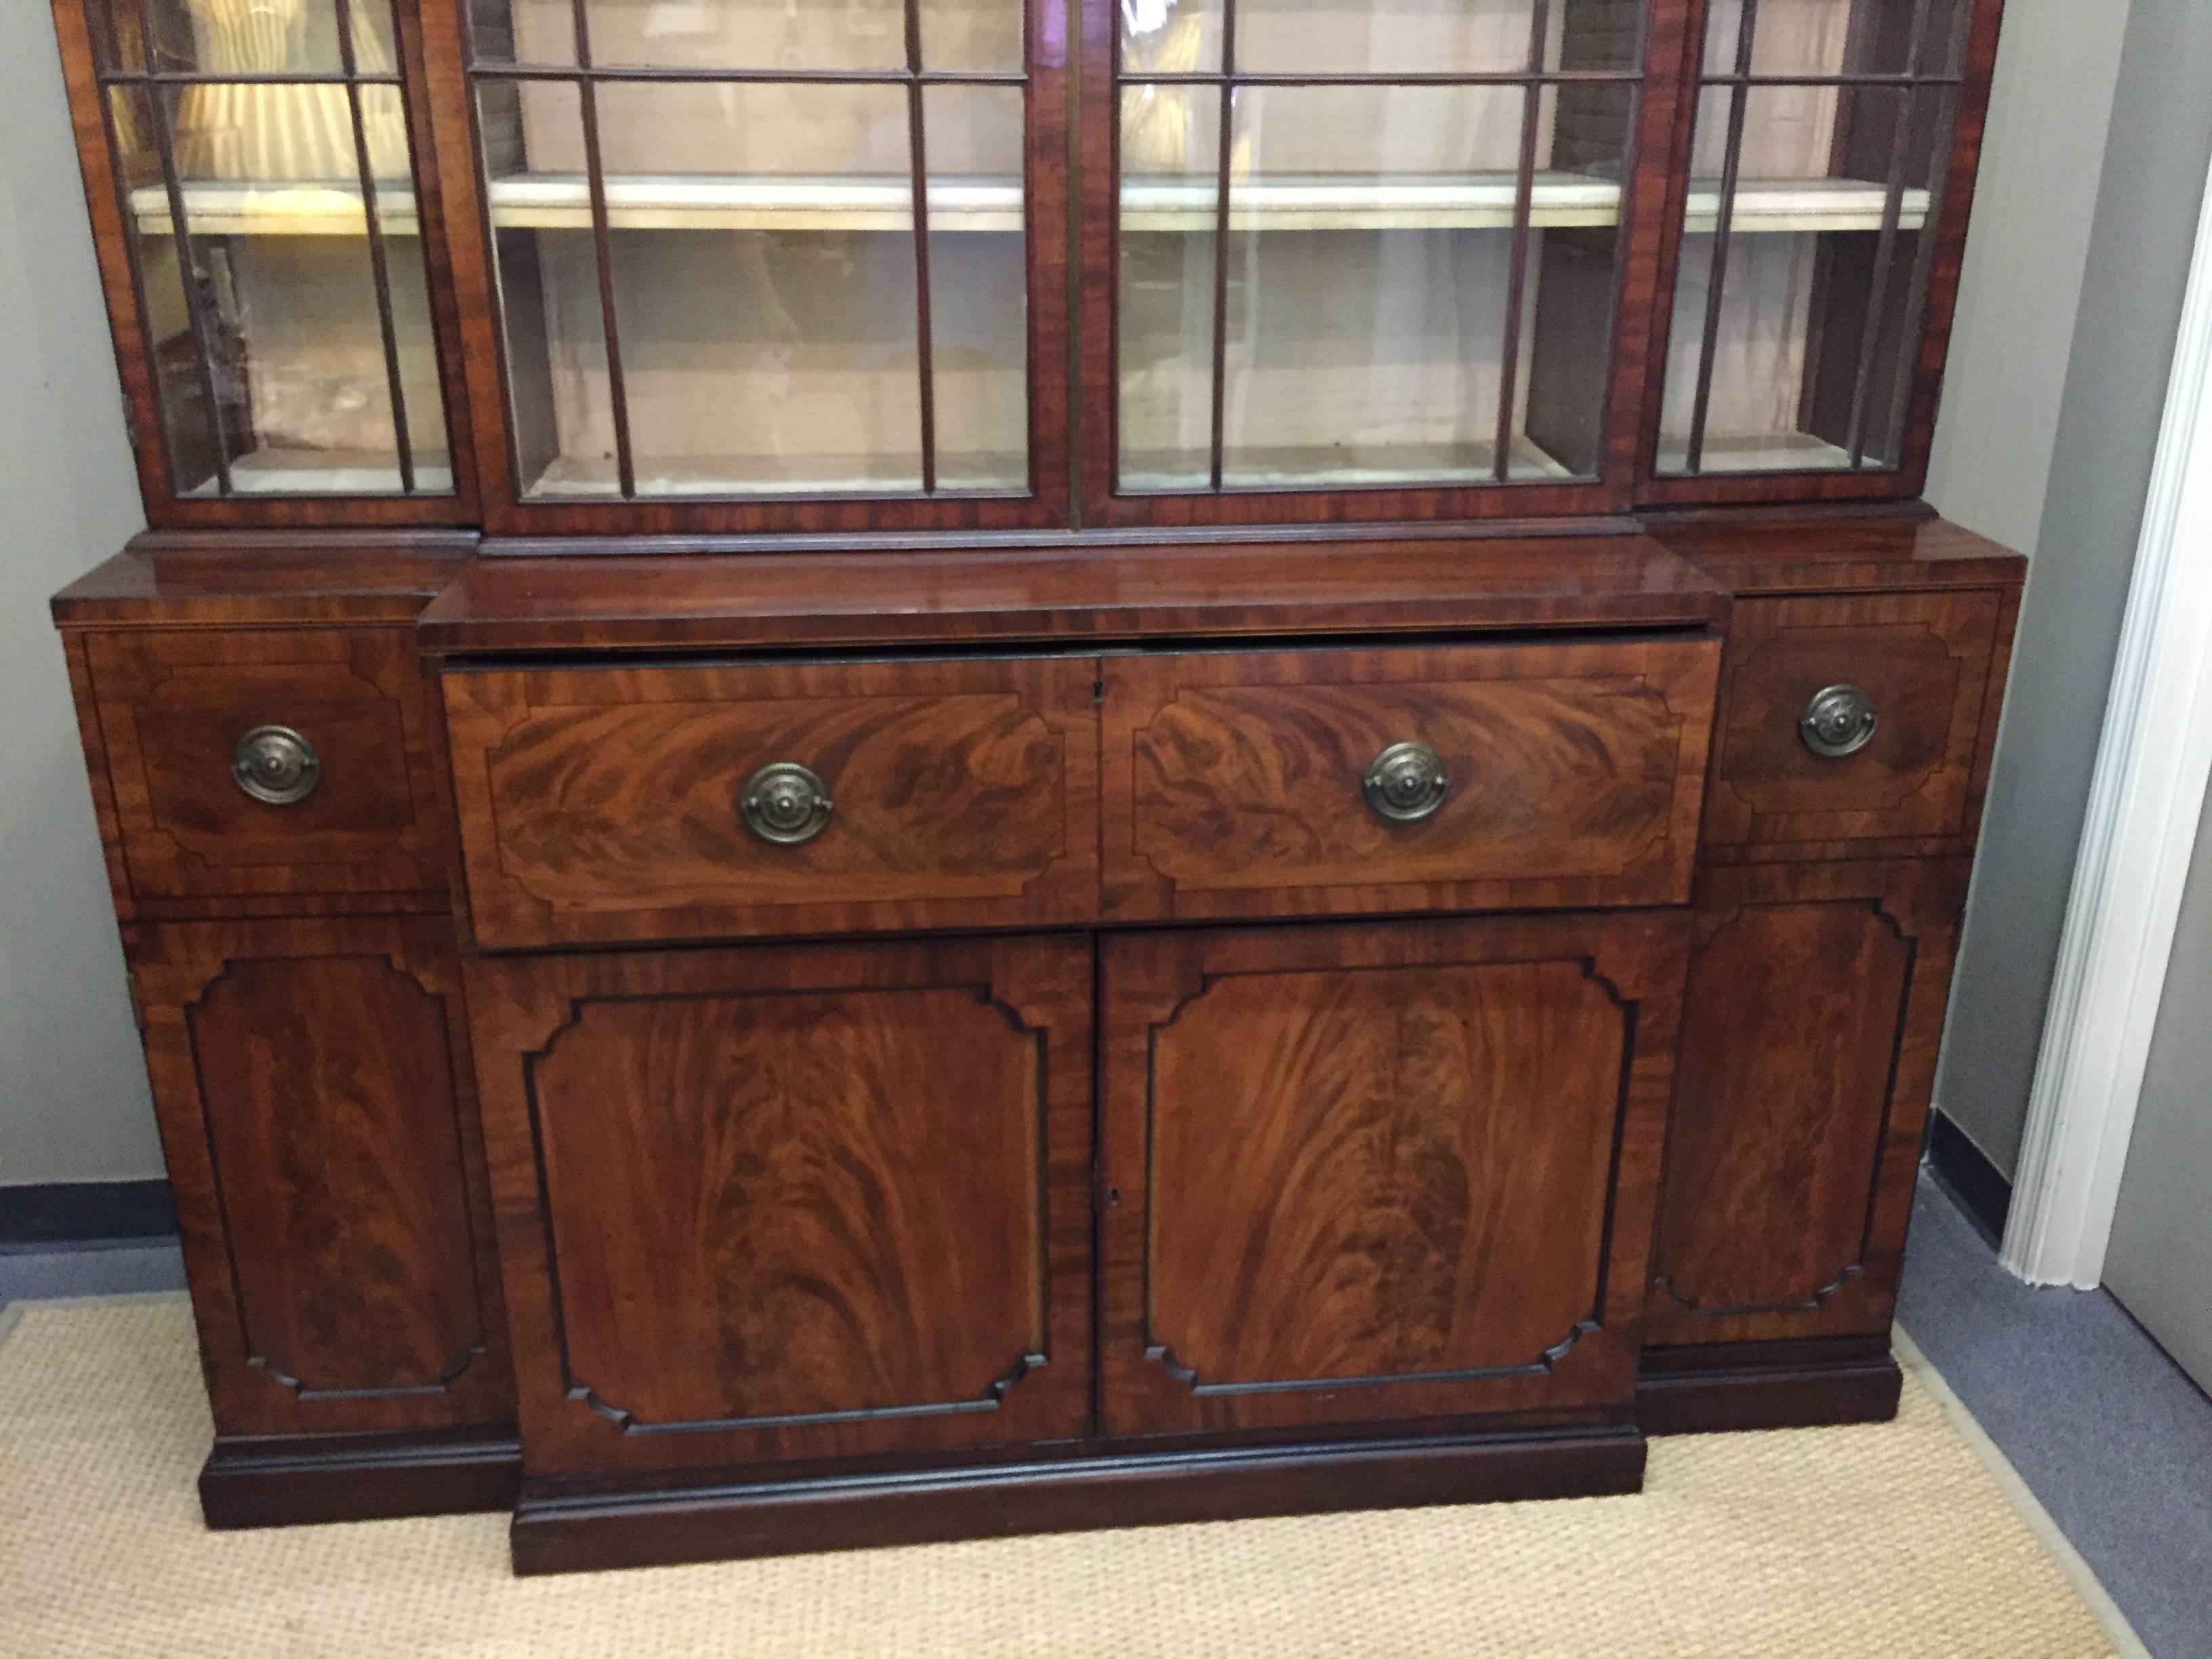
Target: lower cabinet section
x: 792, y: 1202
x: 798, y: 1240
x: 314, y: 1091
x: 1371, y: 1172
x: 1815, y: 1008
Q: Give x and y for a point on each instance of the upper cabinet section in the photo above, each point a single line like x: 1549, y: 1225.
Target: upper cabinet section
x: 719, y: 267
x: 1359, y: 245
x: 255, y: 182
x: 1819, y: 235
x: 766, y: 264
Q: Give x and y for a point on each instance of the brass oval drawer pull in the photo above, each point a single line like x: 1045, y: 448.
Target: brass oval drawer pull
x: 785, y: 803
x: 1406, y: 783
x: 275, y: 765
x: 1838, y: 721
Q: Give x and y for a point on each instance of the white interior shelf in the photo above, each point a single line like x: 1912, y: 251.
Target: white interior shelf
x: 1180, y: 204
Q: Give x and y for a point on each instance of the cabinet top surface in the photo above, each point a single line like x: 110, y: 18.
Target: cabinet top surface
x: 868, y: 599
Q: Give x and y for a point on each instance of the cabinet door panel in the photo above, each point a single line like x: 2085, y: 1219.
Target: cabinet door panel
x: 1815, y: 1005
x: 321, y: 1143
x: 1385, y: 1172
x: 793, y: 1202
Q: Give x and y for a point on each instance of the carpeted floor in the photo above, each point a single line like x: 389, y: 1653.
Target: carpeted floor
x: 1889, y: 1540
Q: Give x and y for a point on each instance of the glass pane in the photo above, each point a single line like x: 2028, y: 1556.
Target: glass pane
x: 978, y: 286
x: 1816, y: 304
x: 851, y: 34
x: 1565, y: 335
x: 984, y: 36
x: 267, y: 37
x: 407, y: 273
x: 559, y: 392
x: 1170, y: 159
x: 1170, y: 36
x: 1834, y: 37
x: 1399, y: 37
x: 765, y: 285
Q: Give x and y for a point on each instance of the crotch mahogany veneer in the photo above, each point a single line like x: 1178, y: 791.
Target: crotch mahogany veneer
x: 768, y: 1052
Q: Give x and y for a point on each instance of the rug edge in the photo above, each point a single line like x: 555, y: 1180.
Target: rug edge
x: 2079, y: 1573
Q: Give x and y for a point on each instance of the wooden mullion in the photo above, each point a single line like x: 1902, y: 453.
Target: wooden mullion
x: 165, y: 143
x: 1517, y: 280
x: 379, y: 263
x: 1693, y: 460
x: 603, y: 251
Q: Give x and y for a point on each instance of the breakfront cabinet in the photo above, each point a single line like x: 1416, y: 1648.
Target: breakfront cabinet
x: 887, y: 770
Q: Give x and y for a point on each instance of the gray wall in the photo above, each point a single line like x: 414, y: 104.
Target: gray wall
x: 2160, y: 1260
x: 2151, y: 186
x: 73, y: 1100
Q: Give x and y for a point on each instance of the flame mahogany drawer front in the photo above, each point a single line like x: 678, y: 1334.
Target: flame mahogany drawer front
x: 1856, y: 718
x: 256, y: 762
x: 601, y: 804
x: 1490, y: 777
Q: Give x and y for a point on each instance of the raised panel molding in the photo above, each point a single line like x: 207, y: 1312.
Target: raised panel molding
x: 817, y: 1200
x: 1814, y: 1007
x: 1329, y: 1193
x: 796, y: 1219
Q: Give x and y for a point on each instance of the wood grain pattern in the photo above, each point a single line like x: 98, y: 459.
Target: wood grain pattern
x: 1815, y: 1007
x: 1831, y: 551
x: 601, y: 804
x: 1232, y: 780
x: 321, y: 1141
x: 175, y: 579
x: 171, y: 706
x: 801, y: 1202
x: 1925, y: 660
x: 1384, y: 1172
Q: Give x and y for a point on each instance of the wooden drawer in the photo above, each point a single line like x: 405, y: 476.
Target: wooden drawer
x: 1925, y: 664
x: 603, y: 804
x: 172, y: 710
x: 1234, y: 780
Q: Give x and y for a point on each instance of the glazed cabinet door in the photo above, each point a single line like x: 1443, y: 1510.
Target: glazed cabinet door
x: 1829, y: 147
x: 1380, y: 1172
x: 1815, y: 1006
x: 267, y: 214
x: 314, y: 1094
x: 1369, y: 248
x: 792, y: 1202
x: 749, y: 266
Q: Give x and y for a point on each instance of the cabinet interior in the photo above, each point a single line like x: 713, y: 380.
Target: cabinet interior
x: 709, y: 283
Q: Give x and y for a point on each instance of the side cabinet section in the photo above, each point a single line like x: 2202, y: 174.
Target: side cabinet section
x: 1815, y: 1007
x: 1375, y: 1173
x: 313, y: 1088
x: 792, y: 1202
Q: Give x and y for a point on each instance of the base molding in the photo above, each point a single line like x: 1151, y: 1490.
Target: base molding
x: 563, y: 1534
x: 299, y: 1480
x: 1768, y: 1385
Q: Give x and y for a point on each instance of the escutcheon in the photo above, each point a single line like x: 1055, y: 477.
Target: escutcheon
x: 275, y: 765
x: 785, y: 803
x: 1838, y: 721
x: 1406, y: 783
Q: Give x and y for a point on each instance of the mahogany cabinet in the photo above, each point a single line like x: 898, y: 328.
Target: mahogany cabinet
x: 937, y: 767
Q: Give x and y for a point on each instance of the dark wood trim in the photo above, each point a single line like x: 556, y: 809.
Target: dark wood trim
x: 569, y: 1534
x: 301, y: 1480
x: 1969, y: 1178
x: 1775, y: 1385
x: 66, y: 1213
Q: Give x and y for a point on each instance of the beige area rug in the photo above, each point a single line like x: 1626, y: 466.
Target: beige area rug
x: 1896, y: 1540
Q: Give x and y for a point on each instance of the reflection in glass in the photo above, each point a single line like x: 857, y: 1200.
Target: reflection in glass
x: 255, y: 37
x: 978, y: 286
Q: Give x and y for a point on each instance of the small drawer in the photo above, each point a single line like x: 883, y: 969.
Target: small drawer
x: 602, y: 804
x: 256, y: 763
x: 1468, y: 777
x: 1860, y: 718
